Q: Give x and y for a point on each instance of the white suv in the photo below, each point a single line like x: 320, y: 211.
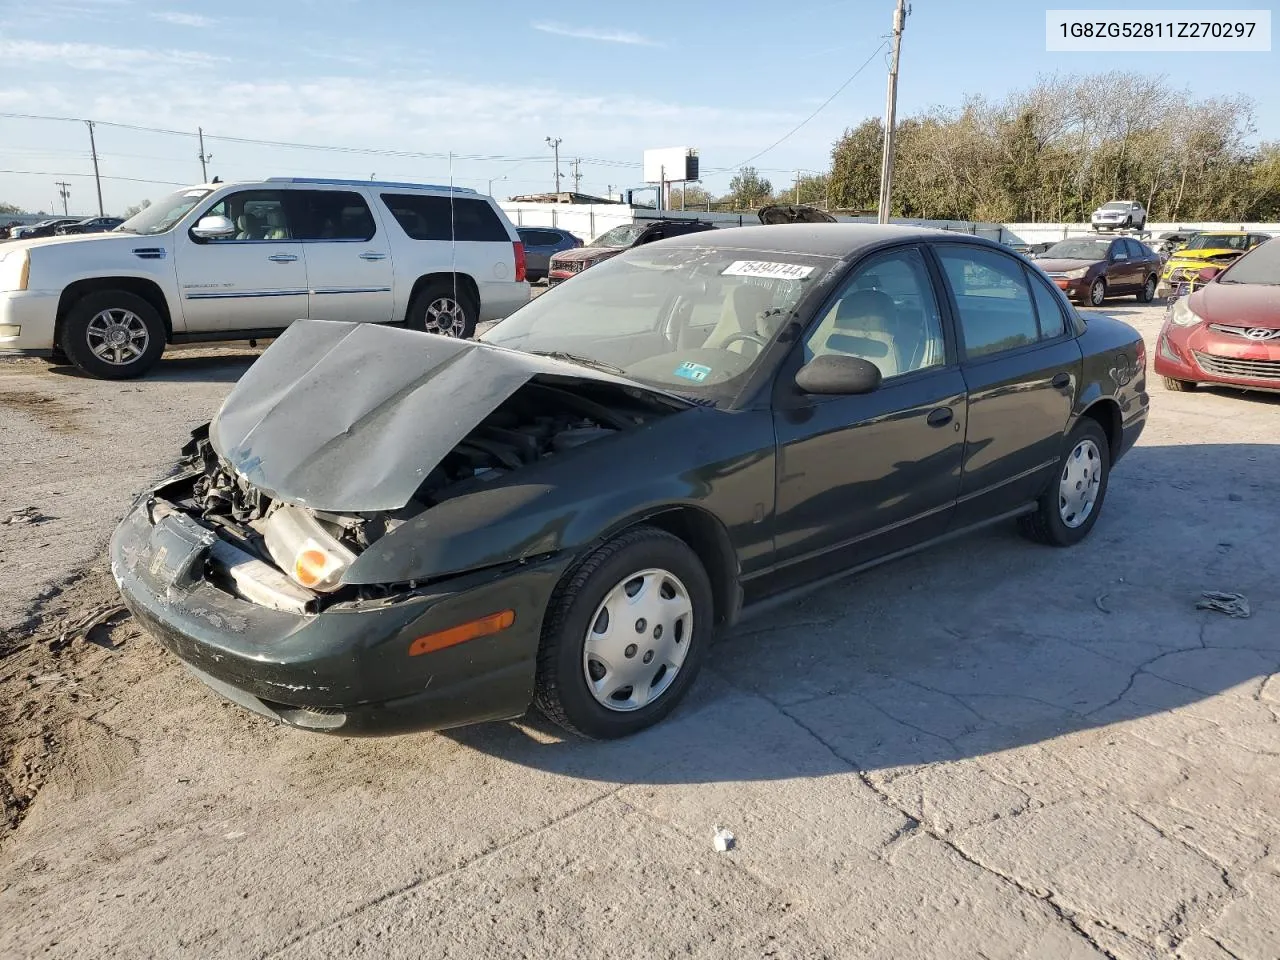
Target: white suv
x: 239, y: 261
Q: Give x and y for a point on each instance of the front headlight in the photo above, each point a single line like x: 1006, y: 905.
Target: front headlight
x: 1182, y: 315
x: 305, y: 550
x: 15, y: 271
x: 1076, y: 274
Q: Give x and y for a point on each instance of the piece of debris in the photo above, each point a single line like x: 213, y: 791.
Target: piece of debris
x: 1099, y: 602
x: 1234, y: 497
x: 27, y: 515
x: 723, y: 840
x: 1232, y: 604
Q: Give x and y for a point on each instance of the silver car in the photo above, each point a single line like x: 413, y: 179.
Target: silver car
x: 1120, y: 214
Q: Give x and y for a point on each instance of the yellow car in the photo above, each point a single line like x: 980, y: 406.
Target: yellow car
x: 1212, y: 248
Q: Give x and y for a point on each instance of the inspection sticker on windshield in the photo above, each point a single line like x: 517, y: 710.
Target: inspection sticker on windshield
x: 693, y: 371
x: 766, y: 269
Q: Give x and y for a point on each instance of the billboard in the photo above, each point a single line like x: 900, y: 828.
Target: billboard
x: 670, y: 165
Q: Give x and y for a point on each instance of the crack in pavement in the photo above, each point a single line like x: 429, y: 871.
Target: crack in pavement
x: 419, y: 882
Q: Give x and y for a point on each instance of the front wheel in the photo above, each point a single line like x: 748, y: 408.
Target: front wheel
x: 445, y: 309
x: 113, y: 335
x: 1068, y: 509
x: 1097, y: 292
x: 1148, y: 292
x: 624, y: 635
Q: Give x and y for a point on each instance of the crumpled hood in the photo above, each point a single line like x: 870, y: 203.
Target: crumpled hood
x: 1238, y: 304
x: 1209, y: 253
x: 351, y: 417
x: 586, y: 253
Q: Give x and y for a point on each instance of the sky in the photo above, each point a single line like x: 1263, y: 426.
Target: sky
x: 489, y: 82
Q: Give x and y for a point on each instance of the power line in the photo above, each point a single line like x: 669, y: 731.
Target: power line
x: 48, y: 173
x: 786, y: 136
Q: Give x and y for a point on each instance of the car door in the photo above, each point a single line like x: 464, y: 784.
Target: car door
x: 862, y: 476
x: 1022, y: 367
x: 1119, y: 268
x: 252, y: 279
x: 1145, y: 262
x: 349, y: 267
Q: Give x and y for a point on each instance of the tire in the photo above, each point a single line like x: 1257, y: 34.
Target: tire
x: 1148, y: 291
x: 439, y: 309
x: 96, y: 318
x: 1178, y: 386
x: 661, y: 563
x: 1098, y: 293
x: 1086, y: 459
x: 1128, y: 223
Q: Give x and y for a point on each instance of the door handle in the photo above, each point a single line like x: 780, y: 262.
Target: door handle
x: 939, y: 417
x: 1061, y: 381
x: 282, y: 258
x: 372, y: 255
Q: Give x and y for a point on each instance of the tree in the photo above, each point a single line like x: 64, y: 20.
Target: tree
x: 8, y: 208
x: 136, y: 209
x: 748, y: 190
x: 688, y: 196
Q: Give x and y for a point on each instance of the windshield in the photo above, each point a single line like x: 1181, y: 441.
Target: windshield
x: 160, y: 217
x: 1078, y: 250
x: 1116, y: 205
x: 1260, y: 265
x: 1218, y: 241
x: 692, y: 321
x: 623, y: 236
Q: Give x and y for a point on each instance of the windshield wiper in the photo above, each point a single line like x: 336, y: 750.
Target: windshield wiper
x: 581, y: 361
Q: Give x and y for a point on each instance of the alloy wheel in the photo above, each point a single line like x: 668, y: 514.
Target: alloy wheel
x: 638, y: 640
x: 445, y: 316
x: 117, y: 336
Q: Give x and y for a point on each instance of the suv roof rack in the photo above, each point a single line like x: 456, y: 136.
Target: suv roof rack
x: 335, y: 182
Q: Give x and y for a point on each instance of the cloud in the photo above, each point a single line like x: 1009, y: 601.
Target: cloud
x: 96, y: 56
x: 601, y: 35
x: 179, y: 19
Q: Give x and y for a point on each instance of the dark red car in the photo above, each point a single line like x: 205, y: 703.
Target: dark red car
x: 1228, y: 331
x: 569, y: 263
x: 1090, y: 269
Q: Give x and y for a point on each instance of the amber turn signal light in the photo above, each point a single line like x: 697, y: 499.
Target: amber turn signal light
x: 493, y: 623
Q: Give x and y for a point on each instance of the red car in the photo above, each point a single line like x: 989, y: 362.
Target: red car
x: 1228, y: 331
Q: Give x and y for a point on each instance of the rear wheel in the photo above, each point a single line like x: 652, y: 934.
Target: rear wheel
x: 1068, y: 509
x: 113, y: 335
x: 624, y: 635
x: 1148, y: 292
x: 1178, y: 386
x: 444, y: 309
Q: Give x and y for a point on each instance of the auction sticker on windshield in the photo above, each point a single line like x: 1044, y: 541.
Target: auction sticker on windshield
x: 696, y: 372
x: 766, y: 269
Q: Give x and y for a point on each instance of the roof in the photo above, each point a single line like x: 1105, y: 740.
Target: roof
x: 817, y: 239
x: 327, y: 182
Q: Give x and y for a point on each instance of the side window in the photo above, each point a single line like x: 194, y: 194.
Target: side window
x: 886, y: 313
x: 1053, y: 323
x: 427, y: 217
x: 1118, y: 251
x: 257, y: 214
x: 330, y: 215
x: 992, y: 297
x: 535, y: 238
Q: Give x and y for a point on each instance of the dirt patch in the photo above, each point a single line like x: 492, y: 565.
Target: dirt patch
x: 49, y: 411
x: 54, y: 680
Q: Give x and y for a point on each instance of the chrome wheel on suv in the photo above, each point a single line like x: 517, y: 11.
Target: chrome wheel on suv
x: 113, y: 334
x: 441, y: 309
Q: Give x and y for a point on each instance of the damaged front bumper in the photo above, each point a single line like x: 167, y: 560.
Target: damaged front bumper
x: 347, y: 669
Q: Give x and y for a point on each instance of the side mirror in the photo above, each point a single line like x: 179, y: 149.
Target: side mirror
x: 1208, y: 273
x: 832, y: 374
x: 213, y: 228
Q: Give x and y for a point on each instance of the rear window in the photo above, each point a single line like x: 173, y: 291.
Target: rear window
x: 425, y: 217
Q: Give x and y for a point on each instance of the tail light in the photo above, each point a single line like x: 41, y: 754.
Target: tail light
x: 521, y: 265
x: 1142, y: 355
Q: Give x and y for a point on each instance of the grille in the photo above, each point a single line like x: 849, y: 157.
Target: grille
x: 1244, y: 331
x: 1231, y: 367
x: 568, y: 266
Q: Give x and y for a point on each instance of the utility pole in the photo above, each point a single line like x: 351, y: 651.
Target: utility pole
x: 64, y: 191
x: 204, y: 158
x: 493, y: 180
x: 890, y: 112
x: 97, y: 178
x: 797, y: 188
x: 577, y: 174
x: 555, y: 145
